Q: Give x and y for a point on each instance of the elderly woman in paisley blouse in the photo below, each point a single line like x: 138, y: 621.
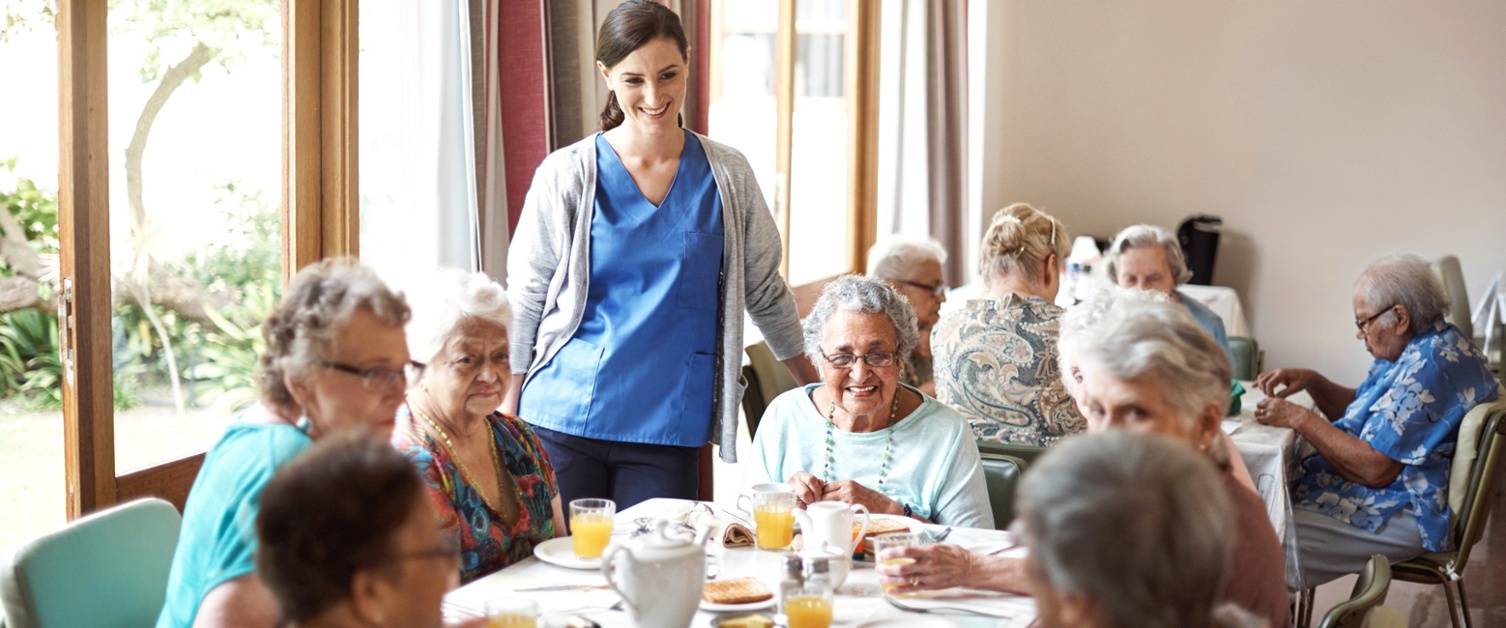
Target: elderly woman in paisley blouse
x: 995, y: 359
x: 485, y: 471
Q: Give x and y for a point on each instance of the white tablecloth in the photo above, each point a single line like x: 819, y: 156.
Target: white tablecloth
x: 1271, y: 455
x: 859, y: 600
x: 1224, y: 302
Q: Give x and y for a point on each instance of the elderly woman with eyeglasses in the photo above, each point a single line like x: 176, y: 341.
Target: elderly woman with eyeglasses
x: 1376, y: 478
x: 913, y: 267
x: 334, y: 363
x: 1150, y: 258
x: 996, y: 358
x: 484, y: 471
x: 860, y: 436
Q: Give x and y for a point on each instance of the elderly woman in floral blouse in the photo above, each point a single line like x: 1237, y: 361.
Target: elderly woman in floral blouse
x: 485, y: 471
x: 995, y: 359
x: 1377, y: 480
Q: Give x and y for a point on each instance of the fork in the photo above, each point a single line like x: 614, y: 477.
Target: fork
x: 947, y: 609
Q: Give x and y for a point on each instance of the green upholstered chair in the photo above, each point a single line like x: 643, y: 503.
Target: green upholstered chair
x: 1002, y: 475
x: 106, y: 570
x: 771, y: 378
x: 1369, y: 592
x: 1451, y: 277
x: 1246, y: 357
x: 1025, y: 453
x: 1468, y: 521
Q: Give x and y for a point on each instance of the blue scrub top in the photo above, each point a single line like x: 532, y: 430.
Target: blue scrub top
x: 641, y: 368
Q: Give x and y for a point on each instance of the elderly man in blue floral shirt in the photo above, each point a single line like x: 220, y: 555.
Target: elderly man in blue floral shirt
x: 1375, y: 477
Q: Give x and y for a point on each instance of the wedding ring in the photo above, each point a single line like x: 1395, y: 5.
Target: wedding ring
x: 914, y: 581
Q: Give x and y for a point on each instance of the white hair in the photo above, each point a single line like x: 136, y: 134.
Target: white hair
x: 1407, y: 281
x: 855, y: 293
x: 1160, y: 339
x: 1140, y: 525
x: 892, y: 257
x: 443, y: 301
x: 1079, y: 318
x: 1137, y: 236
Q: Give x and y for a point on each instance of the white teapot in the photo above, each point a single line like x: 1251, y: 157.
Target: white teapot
x: 659, y: 575
x: 830, y: 523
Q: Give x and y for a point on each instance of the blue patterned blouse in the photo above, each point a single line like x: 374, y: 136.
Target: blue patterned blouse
x: 1409, y: 410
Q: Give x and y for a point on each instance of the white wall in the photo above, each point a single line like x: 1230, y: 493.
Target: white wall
x: 1325, y: 133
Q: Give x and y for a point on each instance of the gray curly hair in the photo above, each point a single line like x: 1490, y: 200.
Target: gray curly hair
x: 1136, y: 236
x: 1140, y: 337
x: 1407, y: 281
x: 856, y: 293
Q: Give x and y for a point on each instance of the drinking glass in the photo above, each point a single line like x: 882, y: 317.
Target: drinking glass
x: 774, y: 519
x: 512, y: 612
x: 591, y: 526
x: 809, y: 606
x: 893, y: 541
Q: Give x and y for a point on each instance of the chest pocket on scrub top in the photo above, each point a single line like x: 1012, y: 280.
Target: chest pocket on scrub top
x: 700, y: 268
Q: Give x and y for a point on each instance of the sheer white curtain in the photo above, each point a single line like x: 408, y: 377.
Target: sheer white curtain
x: 418, y: 185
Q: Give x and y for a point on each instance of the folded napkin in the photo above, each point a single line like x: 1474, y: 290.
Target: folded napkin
x: 725, y: 531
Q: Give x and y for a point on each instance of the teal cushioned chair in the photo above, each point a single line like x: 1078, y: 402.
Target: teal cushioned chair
x: 1246, y: 357
x: 1025, y: 453
x: 1368, y: 593
x: 106, y: 570
x: 1002, y: 475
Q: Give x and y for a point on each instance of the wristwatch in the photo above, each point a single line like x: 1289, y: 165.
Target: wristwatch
x: 907, y: 510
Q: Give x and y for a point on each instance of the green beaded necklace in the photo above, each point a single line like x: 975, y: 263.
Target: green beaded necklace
x: 831, y: 413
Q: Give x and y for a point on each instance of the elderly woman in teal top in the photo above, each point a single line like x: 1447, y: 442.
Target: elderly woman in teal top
x: 860, y: 436
x: 1150, y: 258
x: 334, y: 362
x: 637, y: 252
x: 1375, y: 479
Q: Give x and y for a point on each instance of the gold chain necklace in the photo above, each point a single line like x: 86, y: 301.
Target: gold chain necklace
x: 466, y: 472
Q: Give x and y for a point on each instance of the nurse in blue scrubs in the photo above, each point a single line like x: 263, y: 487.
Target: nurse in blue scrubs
x: 638, y: 251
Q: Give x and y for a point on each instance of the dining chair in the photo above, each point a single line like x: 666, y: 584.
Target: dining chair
x: 753, y: 403
x: 1467, y: 523
x: 1001, y: 474
x: 1369, y: 592
x: 1451, y: 277
x: 1025, y: 453
x: 773, y: 379
x: 1247, y: 357
x: 108, y: 569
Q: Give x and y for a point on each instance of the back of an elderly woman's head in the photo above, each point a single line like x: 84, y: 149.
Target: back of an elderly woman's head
x: 859, y: 294
x: 320, y: 299
x: 1137, y: 525
x: 1407, y: 281
x: 442, y: 302
x: 333, y: 512
x: 1160, y: 342
x: 1139, y: 236
x: 1018, y: 239
x: 1086, y: 314
x: 897, y: 256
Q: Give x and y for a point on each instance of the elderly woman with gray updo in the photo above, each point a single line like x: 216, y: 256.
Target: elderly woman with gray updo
x: 484, y: 471
x: 860, y: 436
x: 1376, y: 479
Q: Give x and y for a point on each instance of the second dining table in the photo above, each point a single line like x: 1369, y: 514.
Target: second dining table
x: 562, y: 593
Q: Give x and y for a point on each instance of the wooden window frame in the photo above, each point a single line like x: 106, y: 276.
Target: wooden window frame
x: 320, y: 212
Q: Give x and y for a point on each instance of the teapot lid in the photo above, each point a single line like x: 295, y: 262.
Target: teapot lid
x: 665, y: 535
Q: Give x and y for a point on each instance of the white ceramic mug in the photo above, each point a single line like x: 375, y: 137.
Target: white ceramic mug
x: 831, y: 523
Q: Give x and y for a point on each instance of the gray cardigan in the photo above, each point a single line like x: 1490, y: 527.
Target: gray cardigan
x: 549, y: 266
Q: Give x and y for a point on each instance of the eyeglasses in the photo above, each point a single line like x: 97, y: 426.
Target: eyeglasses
x: 1361, y: 324
x: 938, y: 289
x: 847, y: 360
x: 378, y: 380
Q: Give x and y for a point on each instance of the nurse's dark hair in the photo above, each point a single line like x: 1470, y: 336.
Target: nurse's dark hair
x: 334, y: 511
x: 627, y: 28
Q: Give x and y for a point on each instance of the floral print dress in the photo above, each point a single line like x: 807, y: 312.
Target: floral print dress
x: 487, y: 542
x: 1409, y: 410
x: 995, y: 362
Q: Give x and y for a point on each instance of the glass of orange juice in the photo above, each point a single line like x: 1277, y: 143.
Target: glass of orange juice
x: 808, y: 607
x: 774, y: 518
x: 512, y: 612
x: 893, y: 541
x: 591, y: 526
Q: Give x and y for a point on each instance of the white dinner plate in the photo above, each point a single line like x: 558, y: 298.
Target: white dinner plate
x: 736, y: 608
x: 908, y: 621
x: 561, y: 551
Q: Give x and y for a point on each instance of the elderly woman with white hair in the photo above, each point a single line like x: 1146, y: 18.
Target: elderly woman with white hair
x: 1376, y: 478
x: 1148, y: 367
x: 996, y: 357
x: 1127, y: 530
x: 1150, y: 258
x: 484, y: 471
x: 912, y: 265
x: 860, y: 436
